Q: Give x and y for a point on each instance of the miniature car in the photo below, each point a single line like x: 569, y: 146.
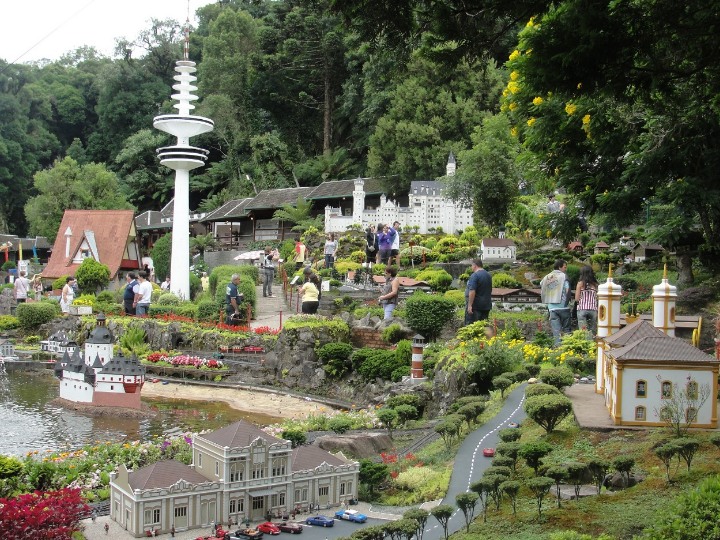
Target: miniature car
x: 290, y: 526
x: 320, y: 521
x: 242, y: 534
x: 489, y: 452
x: 514, y: 425
x: 351, y: 515
x: 268, y: 528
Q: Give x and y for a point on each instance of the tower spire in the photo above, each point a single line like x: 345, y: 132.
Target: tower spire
x: 186, y: 48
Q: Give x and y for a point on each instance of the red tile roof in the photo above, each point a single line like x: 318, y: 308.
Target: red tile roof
x: 111, y: 230
x: 497, y: 242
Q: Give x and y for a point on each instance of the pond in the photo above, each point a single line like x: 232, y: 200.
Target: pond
x: 30, y: 421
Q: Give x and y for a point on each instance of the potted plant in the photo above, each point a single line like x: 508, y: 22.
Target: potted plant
x: 83, y: 305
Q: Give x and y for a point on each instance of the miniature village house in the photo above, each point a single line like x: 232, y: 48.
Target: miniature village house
x: 642, y: 367
x: 238, y: 472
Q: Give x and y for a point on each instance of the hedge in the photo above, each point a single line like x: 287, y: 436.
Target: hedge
x: 221, y: 275
x: 33, y: 314
x: 427, y: 314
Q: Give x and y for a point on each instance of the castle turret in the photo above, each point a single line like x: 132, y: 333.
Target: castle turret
x: 609, y: 295
x: 664, y: 296
x: 451, y: 166
x: 358, y: 201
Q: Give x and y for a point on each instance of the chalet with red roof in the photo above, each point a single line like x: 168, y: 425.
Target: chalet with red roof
x: 108, y: 236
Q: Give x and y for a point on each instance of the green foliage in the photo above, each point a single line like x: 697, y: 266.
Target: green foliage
x: 509, y: 434
x: 439, y: 280
x: 168, y: 299
x: 32, y: 315
x: 296, y: 436
x: 133, y: 340
x: 59, y: 283
x: 493, y: 359
x: 502, y: 384
x: 502, y: 280
x: 405, y: 413
x: 541, y: 389
x: 7, y: 265
x: 377, y: 364
x: 558, y: 377
x: 207, y: 311
x: 92, y: 275
x: 10, y: 467
x: 404, y: 399
x: 9, y: 322
x: 105, y: 296
x: 472, y: 331
x: 577, y: 343
x: 334, y: 351
x: 427, y: 314
x: 372, y: 474
x: 393, y: 333
x: 456, y: 296
x: 533, y: 452
x: 340, y: 424
x: 548, y: 410
x: 220, y: 275
x: 161, y: 254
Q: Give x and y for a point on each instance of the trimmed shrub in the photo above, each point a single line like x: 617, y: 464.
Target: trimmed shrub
x: 456, y: 295
x: 32, y: 315
x: 207, y: 311
x: 378, y: 364
x: 549, y: 410
x: 503, y: 280
x: 438, y: 279
x: 220, y: 276
x: 168, y: 299
x: 557, y: 377
x: 427, y: 314
x: 393, y: 333
x: 92, y: 275
x: 105, y: 296
x: 334, y: 351
x: 404, y: 399
x: 9, y: 322
x: 540, y: 389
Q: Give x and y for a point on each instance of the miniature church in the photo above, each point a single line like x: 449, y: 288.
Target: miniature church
x: 98, y: 377
x: 641, y: 366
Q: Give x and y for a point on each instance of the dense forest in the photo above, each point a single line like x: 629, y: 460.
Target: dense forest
x: 614, y: 103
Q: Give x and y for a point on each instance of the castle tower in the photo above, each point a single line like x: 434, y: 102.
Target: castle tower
x: 182, y: 158
x: 609, y: 295
x: 664, y: 296
x: 358, y: 201
x: 451, y: 166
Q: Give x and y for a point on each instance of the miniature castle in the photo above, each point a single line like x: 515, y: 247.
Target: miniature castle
x: 97, y: 377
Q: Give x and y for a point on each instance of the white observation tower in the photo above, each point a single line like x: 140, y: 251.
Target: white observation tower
x: 182, y: 158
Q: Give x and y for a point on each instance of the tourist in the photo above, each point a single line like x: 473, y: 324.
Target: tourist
x: 371, y: 246
x: 172, y: 531
x: 67, y: 296
x: 129, y: 294
x: 21, y: 287
x: 553, y: 206
x: 205, y: 282
x: 268, y: 271
x: 311, y: 292
x: 389, y: 297
x: 233, y: 299
x: 143, y: 295
x: 165, y: 285
x: 478, y: 294
x: 386, y: 236
x: 300, y: 253
x: 107, y: 528
x: 586, y: 298
x: 37, y: 286
x: 395, y: 251
x: 331, y: 246
x: 555, y: 292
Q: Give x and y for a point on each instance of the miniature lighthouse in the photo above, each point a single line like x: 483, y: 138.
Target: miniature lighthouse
x: 664, y: 296
x: 609, y: 295
x: 182, y: 158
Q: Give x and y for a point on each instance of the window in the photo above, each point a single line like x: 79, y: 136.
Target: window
x: 323, y: 491
x: 666, y: 390
x: 279, y: 465
x: 640, y: 413
x: 152, y: 516
x: 237, y: 505
x: 181, y: 511
x: 692, y: 390
x: 665, y: 414
x: 258, y: 503
x: 690, y: 415
x: 342, y: 488
x: 217, y: 468
x: 258, y: 471
x: 237, y: 467
x: 199, y: 459
x: 641, y: 389
x: 278, y: 500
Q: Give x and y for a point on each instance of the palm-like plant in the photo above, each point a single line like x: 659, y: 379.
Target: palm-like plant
x: 299, y: 214
x: 202, y: 243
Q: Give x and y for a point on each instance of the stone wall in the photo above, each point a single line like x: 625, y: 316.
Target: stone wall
x: 368, y: 337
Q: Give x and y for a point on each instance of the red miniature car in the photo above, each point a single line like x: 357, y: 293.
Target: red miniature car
x: 489, y: 452
x: 268, y: 528
x: 291, y: 527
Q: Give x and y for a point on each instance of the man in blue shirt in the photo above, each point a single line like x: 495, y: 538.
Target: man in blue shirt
x: 478, y: 294
x: 129, y: 294
x: 233, y: 299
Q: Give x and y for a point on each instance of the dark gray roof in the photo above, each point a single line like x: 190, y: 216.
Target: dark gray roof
x: 497, y: 242
x: 307, y: 458
x: 335, y: 189
x: 231, y: 209
x: 164, y: 474
x: 633, y: 332
x: 100, y: 335
x: 661, y: 349
x: 238, y: 435
x: 275, y: 198
x: 151, y: 219
x: 427, y: 187
x: 121, y: 365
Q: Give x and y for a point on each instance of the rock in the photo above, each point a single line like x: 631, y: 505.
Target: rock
x: 532, y: 380
x: 361, y: 445
x: 616, y: 481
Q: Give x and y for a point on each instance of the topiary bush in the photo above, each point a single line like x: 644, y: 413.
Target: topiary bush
x: 427, y: 314
x: 438, y: 279
x: 105, y: 296
x: 457, y: 296
x: 557, y: 377
x: 92, y: 276
x: 540, y: 389
x: 334, y: 351
x: 168, y: 299
x: 376, y: 364
x: 502, y: 280
x: 220, y: 276
x: 207, y: 311
x: 32, y: 315
x: 393, y: 333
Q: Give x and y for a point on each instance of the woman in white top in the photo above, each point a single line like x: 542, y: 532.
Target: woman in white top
x: 331, y: 246
x: 68, y: 295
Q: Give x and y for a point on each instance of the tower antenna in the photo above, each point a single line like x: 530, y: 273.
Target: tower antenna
x: 186, y: 49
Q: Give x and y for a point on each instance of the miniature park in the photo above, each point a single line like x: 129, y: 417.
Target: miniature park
x: 429, y: 427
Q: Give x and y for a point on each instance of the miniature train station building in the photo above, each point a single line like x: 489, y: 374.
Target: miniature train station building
x: 238, y: 472
x: 642, y: 366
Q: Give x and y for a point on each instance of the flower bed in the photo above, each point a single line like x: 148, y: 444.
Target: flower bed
x: 185, y: 361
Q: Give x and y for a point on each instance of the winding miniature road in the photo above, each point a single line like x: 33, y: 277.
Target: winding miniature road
x: 470, y: 463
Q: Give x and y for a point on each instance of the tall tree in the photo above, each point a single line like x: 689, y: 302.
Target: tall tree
x: 68, y: 185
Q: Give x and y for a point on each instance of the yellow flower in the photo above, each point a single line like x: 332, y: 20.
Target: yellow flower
x: 514, y: 75
x: 579, y: 86
x: 512, y: 106
x: 538, y: 100
x: 586, y: 120
x: 570, y: 108
x: 514, y: 131
x: 531, y: 121
x: 514, y: 55
x: 531, y: 22
x: 513, y: 87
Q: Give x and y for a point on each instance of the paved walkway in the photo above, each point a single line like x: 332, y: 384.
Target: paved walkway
x: 272, y: 311
x: 589, y: 408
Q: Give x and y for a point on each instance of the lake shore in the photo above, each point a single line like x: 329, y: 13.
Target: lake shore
x: 256, y: 401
